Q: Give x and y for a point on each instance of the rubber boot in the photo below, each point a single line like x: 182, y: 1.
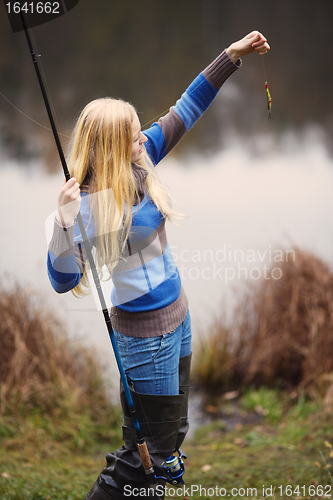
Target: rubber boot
x: 124, y: 477
x: 184, y: 386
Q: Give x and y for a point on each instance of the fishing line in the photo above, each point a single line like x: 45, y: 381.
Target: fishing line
x: 29, y: 117
x: 263, y: 67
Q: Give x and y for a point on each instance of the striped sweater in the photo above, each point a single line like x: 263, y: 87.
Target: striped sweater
x: 147, y: 294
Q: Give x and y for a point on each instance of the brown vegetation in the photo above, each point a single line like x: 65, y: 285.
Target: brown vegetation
x: 281, y: 333
x: 40, y: 367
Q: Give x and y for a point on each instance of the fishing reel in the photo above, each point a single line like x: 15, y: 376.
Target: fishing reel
x: 174, y: 468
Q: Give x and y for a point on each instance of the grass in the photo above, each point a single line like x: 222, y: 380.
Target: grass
x: 46, y: 458
x: 289, y: 447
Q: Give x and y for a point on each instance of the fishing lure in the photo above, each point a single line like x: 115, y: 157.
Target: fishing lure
x: 268, y: 94
x: 269, y: 101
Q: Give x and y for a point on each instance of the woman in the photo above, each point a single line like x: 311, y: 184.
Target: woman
x: 124, y: 207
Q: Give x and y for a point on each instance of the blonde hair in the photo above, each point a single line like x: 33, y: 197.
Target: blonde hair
x: 100, y: 160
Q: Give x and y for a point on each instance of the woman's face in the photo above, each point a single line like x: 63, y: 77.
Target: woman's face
x: 138, y: 140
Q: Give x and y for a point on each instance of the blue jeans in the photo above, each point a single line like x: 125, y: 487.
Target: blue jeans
x: 152, y: 363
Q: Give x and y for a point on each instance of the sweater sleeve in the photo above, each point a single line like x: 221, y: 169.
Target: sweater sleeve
x: 169, y: 130
x: 66, y: 253
x: 65, y: 260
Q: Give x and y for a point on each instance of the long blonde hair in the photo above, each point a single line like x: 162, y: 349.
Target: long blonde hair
x: 100, y: 160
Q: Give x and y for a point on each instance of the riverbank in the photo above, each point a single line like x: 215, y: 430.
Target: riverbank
x: 277, y: 442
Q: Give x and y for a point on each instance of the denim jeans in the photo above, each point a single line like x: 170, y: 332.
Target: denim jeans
x: 152, y: 363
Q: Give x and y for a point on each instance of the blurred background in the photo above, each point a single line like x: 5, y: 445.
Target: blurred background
x: 251, y: 187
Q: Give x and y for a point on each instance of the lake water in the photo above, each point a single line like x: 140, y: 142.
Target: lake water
x: 244, y: 213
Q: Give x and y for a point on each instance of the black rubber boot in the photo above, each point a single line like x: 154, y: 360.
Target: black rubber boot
x: 124, y: 476
x: 184, y: 386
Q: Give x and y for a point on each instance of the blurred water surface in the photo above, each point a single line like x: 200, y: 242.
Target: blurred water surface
x: 243, y: 214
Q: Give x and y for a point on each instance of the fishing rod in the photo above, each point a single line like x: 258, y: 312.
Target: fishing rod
x: 142, y: 445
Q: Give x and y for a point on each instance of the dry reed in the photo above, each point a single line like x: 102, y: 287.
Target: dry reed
x: 40, y: 367
x: 281, y: 333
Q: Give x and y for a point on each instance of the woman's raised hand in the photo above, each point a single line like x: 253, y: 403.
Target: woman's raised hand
x: 69, y: 201
x: 253, y: 42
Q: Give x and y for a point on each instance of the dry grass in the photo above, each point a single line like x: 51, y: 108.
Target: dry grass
x: 281, y: 334
x: 40, y: 368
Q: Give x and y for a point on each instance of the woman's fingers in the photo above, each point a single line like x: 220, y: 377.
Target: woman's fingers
x: 69, y: 201
x: 260, y: 43
x: 70, y: 191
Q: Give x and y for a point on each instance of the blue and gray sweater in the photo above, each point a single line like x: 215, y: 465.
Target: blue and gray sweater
x: 147, y: 293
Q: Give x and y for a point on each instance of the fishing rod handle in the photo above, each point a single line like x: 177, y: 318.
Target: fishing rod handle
x: 146, y: 461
